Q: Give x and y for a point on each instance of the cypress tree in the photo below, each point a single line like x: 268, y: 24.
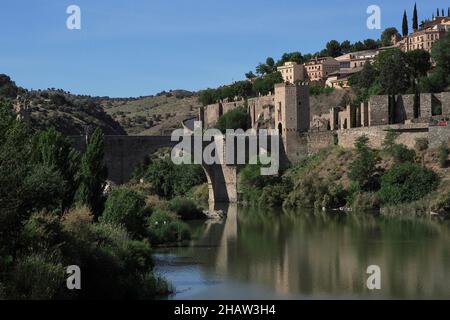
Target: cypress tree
x: 405, y: 28
x: 92, y: 176
x: 415, y: 19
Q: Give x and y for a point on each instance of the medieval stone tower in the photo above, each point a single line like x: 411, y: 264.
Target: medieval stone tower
x: 291, y: 113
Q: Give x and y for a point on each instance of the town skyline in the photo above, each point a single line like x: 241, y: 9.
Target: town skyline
x: 95, y: 60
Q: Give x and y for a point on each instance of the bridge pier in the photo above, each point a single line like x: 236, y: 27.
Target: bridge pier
x: 222, y: 183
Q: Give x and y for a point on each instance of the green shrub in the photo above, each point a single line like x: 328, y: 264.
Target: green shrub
x: 314, y: 192
x: 443, y: 153
x: 365, y: 202
x: 402, y: 154
x: 363, y: 169
x: 163, y: 227
x: 274, y: 195
x: 43, y: 231
x: 127, y: 208
x: 252, y: 183
x: 200, y: 193
x: 169, y: 180
x: 406, y: 182
x: 237, y: 118
x: 186, y: 209
x: 37, y: 277
x: 389, y: 140
x: 421, y: 144
x: 442, y: 204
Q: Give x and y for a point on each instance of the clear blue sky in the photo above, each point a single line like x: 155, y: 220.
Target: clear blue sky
x: 140, y: 47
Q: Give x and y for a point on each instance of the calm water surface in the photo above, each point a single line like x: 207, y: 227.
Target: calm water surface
x: 255, y: 254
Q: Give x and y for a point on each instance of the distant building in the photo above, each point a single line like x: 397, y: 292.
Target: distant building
x: 292, y: 72
x: 340, y: 79
x: 431, y: 31
x: 319, y: 69
x: 356, y: 59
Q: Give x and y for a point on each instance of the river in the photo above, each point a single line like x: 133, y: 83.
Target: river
x: 255, y: 254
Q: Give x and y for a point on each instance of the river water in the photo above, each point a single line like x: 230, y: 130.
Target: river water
x: 255, y: 254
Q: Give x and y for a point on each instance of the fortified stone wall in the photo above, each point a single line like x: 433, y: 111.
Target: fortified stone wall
x: 444, y: 98
x: 228, y: 106
x: 425, y: 105
x: 124, y: 153
x: 258, y: 106
x: 405, y: 108
x: 212, y: 113
x: 378, y: 110
x: 407, y: 135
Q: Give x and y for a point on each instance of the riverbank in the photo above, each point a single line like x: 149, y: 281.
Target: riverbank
x: 394, y: 180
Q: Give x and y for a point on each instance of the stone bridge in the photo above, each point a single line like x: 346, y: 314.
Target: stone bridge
x: 124, y: 153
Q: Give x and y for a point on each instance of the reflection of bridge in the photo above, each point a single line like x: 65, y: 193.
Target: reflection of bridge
x: 124, y: 153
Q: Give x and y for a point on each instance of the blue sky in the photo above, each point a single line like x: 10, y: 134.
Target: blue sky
x: 141, y: 47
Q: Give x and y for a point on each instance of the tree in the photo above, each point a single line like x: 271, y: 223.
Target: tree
x: 367, y: 76
x: 415, y: 19
x: 394, y: 74
x: 208, y: 96
x: 250, y: 75
x: 266, y: 68
x: 346, y: 47
x: 363, y: 168
x: 333, y: 48
x: 387, y: 35
x: 53, y: 150
x: 370, y: 44
x: 406, y: 182
x: 358, y: 46
x: 8, y: 88
x: 405, y: 29
x: 266, y: 84
x: 235, y: 119
x: 419, y: 62
x: 127, y: 208
x: 93, y: 174
x: 293, y: 56
x: 440, y: 77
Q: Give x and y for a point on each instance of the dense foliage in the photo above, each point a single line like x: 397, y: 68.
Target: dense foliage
x: 169, y: 180
x: 126, y: 208
x: 364, y: 168
x: 406, y: 182
x: 237, y: 118
x: 42, y: 231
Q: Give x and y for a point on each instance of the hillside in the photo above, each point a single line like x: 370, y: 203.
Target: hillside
x: 67, y: 113
x: 153, y: 115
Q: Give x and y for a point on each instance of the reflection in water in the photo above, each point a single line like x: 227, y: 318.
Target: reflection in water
x: 255, y: 254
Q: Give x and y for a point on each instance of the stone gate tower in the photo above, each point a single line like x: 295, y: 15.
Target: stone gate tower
x: 291, y: 113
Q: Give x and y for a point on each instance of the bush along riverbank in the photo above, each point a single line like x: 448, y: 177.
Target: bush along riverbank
x: 56, y: 214
x: 391, y: 180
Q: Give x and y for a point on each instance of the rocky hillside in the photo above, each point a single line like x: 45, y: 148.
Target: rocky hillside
x: 153, y: 115
x: 68, y: 113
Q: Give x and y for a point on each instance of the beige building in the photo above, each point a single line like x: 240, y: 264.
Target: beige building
x: 425, y: 38
x: 319, y: 69
x: 340, y: 79
x: 292, y: 72
x: 356, y: 59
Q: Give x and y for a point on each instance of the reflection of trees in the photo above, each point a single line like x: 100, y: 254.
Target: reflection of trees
x: 329, y: 253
